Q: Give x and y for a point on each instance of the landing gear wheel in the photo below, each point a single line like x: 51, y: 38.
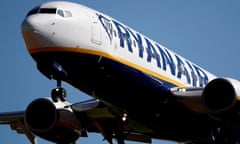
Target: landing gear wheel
x: 59, y: 93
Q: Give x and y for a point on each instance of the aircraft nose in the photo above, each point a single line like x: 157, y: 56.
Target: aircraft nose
x: 33, y: 24
x: 36, y: 31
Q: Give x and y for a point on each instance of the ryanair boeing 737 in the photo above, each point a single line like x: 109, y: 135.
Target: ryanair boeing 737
x: 140, y: 89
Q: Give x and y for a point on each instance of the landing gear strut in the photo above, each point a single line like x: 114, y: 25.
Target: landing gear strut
x: 58, y: 93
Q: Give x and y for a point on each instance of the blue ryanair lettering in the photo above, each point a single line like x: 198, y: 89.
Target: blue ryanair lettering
x: 164, y: 59
x: 138, y: 39
x: 123, y: 36
x: 182, y: 70
x: 152, y: 53
x: 202, y: 76
x: 106, y: 23
x: 193, y: 75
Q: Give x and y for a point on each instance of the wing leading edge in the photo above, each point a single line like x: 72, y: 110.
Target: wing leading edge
x: 16, y: 121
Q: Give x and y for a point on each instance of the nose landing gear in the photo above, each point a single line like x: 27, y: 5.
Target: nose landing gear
x: 59, y: 93
x: 59, y: 74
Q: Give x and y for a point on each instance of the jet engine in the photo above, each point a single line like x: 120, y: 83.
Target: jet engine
x: 220, y: 95
x: 52, y: 121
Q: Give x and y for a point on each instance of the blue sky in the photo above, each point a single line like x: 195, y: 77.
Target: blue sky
x: 205, y: 32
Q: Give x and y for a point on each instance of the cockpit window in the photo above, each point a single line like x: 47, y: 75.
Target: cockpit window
x: 64, y: 13
x: 60, y: 12
x: 48, y: 10
x: 67, y: 13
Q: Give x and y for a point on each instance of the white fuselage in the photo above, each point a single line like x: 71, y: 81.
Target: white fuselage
x: 76, y: 28
x: 89, y: 31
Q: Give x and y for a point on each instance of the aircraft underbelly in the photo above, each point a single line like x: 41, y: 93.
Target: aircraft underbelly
x: 131, y: 90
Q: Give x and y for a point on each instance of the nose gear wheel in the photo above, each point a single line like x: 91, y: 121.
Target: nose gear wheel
x: 59, y: 93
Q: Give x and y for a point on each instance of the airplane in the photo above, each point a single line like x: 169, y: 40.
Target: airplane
x: 140, y: 89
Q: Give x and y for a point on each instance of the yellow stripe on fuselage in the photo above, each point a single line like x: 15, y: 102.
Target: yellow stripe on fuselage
x: 106, y: 55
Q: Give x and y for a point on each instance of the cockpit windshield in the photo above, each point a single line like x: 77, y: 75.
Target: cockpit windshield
x: 57, y: 11
x: 47, y: 10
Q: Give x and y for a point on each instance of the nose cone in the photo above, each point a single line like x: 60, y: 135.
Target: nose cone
x: 36, y: 31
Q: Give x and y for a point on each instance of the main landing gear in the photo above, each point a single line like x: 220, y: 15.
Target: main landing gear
x: 59, y: 93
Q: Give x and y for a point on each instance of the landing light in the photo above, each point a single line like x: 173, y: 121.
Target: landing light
x: 124, y: 117
x: 182, y: 90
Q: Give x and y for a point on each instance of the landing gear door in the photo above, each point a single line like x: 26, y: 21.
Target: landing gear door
x: 96, y: 32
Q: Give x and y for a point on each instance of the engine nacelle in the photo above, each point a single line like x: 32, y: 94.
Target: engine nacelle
x: 52, y: 121
x: 220, y: 95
